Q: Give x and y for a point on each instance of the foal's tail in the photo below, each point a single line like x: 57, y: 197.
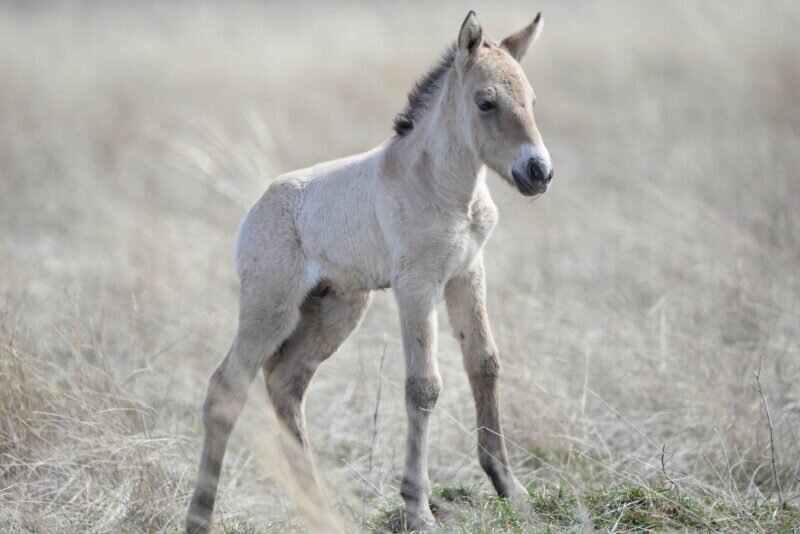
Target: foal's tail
x: 236, y: 242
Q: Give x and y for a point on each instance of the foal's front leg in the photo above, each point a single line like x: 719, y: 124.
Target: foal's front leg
x: 466, y: 297
x: 417, y: 303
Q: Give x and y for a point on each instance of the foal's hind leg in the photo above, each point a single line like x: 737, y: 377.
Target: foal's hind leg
x: 269, y: 311
x: 465, y: 297
x: 324, y: 324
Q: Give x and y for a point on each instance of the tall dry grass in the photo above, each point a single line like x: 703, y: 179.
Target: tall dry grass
x: 632, y: 304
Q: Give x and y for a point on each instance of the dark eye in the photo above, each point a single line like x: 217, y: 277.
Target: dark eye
x: 486, y: 105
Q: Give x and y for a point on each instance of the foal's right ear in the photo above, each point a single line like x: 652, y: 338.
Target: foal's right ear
x: 470, y: 37
x: 518, y: 43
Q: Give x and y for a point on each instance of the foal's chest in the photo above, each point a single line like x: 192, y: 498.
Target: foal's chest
x: 471, y: 234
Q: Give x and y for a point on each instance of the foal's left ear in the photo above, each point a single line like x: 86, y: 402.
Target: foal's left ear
x: 471, y: 35
x: 518, y: 43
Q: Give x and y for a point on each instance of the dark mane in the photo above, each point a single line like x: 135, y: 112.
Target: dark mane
x: 424, y: 92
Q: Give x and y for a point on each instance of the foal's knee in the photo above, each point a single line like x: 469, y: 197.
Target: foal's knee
x: 422, y: 392
x: 484, y: 368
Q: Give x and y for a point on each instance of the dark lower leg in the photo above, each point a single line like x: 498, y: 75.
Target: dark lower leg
x: 492, y: 452
x: 421, y: 396
x: 225, y: 399
x: 286, y: 384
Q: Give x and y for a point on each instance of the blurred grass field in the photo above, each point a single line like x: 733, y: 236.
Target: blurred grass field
x: 632, y: 304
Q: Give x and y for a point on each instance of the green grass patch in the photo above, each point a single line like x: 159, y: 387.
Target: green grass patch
x: 621, y: 509
x: 462, y: 494
x: 554, y: 506
x: 640, y: 509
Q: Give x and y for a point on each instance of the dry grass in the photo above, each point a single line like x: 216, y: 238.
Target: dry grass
x: 632, y: 303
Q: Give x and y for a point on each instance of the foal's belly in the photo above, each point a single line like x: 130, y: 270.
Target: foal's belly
x: 357, y: 260
x: 350, y: 252
x: 376, y: 273
x: 346, y: 268
x: 351, y: 277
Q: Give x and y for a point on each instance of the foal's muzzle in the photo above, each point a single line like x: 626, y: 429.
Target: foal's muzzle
x: 535, y: 177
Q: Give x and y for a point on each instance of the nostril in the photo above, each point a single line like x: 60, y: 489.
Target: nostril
x: 534, y: 171
x: 549, y: 175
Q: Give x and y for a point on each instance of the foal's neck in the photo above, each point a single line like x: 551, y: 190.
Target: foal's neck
x: 455, y: 170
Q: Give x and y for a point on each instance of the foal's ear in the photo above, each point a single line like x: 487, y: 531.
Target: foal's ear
x: 518, y: 43
x: 471, y: 35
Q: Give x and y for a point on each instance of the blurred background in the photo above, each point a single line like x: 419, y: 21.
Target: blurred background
x: 632, y: 304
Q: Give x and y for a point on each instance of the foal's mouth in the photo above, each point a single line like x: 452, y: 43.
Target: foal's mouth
x: 528, y: 187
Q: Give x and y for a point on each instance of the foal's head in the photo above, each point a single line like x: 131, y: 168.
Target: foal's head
x: 496, y: 105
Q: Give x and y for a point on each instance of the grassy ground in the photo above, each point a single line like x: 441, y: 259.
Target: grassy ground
x: 620, y: 509
x: 632, y: 304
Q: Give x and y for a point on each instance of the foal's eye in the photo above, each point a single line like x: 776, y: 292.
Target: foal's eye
x: 486, y: 105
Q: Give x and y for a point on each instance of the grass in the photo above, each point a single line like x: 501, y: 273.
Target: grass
x: 631, y: 304
x: 620, y: 509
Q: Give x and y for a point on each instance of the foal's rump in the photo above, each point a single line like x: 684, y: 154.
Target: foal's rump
x: 267, y: 236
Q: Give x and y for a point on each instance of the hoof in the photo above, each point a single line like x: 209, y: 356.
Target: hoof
x: 197, y: 527
x: 419, y: 520
x: 198, y: 518
x: 520, y: 499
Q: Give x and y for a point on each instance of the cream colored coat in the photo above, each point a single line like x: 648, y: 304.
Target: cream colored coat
x: 412, y: 214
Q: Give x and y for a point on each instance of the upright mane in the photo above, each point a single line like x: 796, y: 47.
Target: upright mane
x: 424, y: 93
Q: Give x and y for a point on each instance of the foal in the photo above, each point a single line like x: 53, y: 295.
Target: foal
x: 412, y: 214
